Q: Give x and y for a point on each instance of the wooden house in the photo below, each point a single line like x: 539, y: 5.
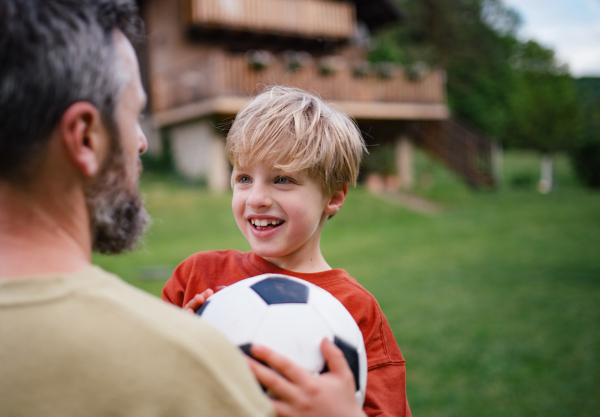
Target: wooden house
x: 206, y: 58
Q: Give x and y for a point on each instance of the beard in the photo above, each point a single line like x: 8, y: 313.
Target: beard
x: 118, y: 216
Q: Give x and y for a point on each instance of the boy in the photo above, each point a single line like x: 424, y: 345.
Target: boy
x: 293, y: 158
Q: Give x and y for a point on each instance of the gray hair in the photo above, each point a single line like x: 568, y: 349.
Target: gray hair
x: 55, y: 53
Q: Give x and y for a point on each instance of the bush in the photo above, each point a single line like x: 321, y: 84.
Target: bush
x: 381, y: 160
x: 522, y: 180
x: 586, y: 162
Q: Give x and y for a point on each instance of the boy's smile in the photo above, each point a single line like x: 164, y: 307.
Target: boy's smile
x: 282, y: 214
x: 264, y: 227
x: 265, y: 224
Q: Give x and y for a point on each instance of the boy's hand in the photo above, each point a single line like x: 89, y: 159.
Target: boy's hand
x: 196, y: 302
x: 302, y: 394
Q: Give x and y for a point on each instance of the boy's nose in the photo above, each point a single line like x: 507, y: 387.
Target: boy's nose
x: 259, y: 197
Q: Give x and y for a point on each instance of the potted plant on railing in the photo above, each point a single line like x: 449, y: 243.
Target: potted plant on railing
x: 259, y: 60
x: 417, y: 71
x: 331, y: 64
x: 386, y: 70
x: 362, y: 68
x: 294, y: 60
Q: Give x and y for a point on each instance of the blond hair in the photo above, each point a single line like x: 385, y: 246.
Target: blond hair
x: 292, y: 130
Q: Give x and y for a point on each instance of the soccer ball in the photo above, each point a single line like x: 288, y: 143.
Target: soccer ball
x: 290, y: 316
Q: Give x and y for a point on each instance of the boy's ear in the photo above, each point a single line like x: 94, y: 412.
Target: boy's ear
x: 336, y: 200
x: 84, y: 137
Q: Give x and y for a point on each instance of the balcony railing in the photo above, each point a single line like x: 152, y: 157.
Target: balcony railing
x: 219, y: 74
x: 304, y: 18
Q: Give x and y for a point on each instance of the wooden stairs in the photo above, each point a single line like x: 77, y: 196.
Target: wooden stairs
x: 464, y: 151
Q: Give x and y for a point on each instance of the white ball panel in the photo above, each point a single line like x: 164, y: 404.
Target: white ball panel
x: 237, y: 312
x: 295, y: 331
x: 336, y: 316
x: 362, y: 373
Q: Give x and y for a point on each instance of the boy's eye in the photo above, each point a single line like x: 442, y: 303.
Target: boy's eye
x: 244, y: 179
x: 283, y: 180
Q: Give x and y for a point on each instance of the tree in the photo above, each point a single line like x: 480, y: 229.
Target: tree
x: 472, y: 41
x: 514, y: 91
x: 586, y: 158
x: 546, y: 113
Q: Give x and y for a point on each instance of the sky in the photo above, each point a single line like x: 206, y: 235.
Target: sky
x: 570, y: 27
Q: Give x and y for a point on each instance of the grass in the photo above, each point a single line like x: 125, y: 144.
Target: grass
x: 495, y: 302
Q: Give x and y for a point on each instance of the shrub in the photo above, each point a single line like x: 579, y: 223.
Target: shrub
x: 586, y: 162
x: 381, y: 160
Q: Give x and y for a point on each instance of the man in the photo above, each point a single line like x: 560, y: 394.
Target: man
x: 75, y: 340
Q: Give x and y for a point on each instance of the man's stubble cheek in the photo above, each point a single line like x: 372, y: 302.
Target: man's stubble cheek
x: 118, y: 216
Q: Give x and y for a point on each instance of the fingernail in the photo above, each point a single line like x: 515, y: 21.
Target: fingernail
x: 258, y: 348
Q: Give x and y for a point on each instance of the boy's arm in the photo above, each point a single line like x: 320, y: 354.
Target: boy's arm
x: 175, y: 288
x: 386, y: 393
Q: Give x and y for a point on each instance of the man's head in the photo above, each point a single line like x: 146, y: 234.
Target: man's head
x: 66, y: 64
x: 292, y: 130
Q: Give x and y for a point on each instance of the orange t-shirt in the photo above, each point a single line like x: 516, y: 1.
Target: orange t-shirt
x: 386, y: 378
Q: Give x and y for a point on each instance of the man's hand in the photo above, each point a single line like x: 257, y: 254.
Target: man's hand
x: 197, y: 302
x: 299, y: 393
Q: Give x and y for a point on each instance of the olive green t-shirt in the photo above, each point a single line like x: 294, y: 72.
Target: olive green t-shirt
x: 88, y: 344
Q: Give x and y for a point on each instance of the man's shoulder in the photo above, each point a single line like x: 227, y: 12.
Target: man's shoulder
x: 132, y: 347
x: 148, y: 313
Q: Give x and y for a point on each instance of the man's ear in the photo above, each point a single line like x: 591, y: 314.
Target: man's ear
x: 84, y: 137
x: 337, y: 199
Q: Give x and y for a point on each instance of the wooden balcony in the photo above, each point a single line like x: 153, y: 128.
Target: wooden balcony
x: 331, y: 20
x: 221, y: 83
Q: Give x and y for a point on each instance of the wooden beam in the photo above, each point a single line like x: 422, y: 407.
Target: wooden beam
x: 230, y: 105
x: 394, y: 111
x: 226, y: 105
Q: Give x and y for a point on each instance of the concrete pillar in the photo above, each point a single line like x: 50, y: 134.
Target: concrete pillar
x: 497, y: 163
x: 545, y: 185
x: 404, y: 150
x: 199, y: 153
x: 219, y: 173
x: 152, y: 136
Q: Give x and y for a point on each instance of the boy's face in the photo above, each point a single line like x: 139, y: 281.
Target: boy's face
x: 282, y: 214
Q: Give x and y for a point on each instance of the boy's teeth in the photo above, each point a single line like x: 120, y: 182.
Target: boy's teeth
x: 265, y: 222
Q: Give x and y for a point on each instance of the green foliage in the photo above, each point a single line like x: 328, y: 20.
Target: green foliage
x: 161, y: 162
x: 586, y: 157
x: 514, y: 91
x: 156, y: 162
x: 586, y: 161
x: 546, y: 109
x: 380, y: 160
x: 455, y: 35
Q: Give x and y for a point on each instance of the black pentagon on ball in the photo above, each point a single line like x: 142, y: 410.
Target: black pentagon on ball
x: 281, y: 290
x: 351, y: 356
x: 201, y: 309
x: 246, y: 349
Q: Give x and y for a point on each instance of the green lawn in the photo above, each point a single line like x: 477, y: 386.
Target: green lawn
x: 495, y: 302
